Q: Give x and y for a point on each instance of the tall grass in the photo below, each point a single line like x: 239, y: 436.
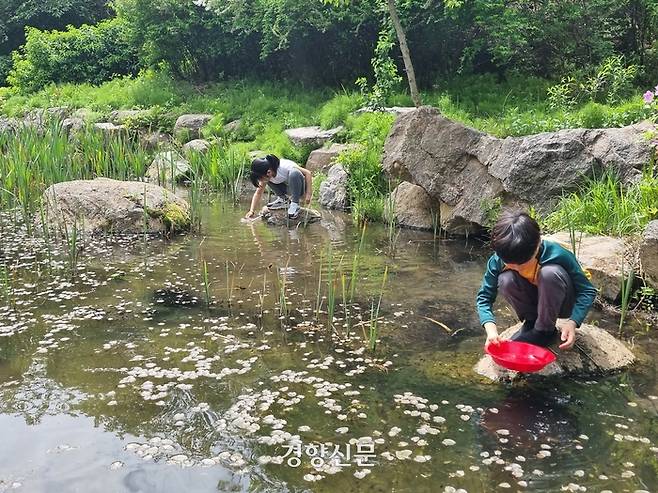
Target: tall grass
x: 373, y: 332
x: 32, y: 160
x: 604, y: 206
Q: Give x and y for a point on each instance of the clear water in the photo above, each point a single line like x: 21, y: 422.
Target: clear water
x: 122, y: 379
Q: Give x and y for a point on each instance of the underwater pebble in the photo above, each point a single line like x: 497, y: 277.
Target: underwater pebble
x: 448, y: 442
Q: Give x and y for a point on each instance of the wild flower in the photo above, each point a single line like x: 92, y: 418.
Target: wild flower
x: 648, y: 96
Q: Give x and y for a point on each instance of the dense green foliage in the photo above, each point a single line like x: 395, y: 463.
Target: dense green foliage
x: 85, y: 54
x: 331, y: 43
x: 16, y: 15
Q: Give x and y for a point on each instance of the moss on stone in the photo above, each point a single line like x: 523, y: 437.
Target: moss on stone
x: 175, y: 217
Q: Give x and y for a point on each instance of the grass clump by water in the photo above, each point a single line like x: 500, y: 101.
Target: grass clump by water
x: 605, y: 207
x: 367, y: 185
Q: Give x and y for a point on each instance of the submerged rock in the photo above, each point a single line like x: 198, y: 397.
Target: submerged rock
x: 311, y: 136
x: 333, y: 191
x: 279, y: 217
x: 470, y: 172
x: 649, y: 253
x: 104, y: 206
x: 601, y: 353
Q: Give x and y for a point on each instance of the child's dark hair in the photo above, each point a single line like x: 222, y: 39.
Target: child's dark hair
x: 260, y: 166
x: 515, y: 237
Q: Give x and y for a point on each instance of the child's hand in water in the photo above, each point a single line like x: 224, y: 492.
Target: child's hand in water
x: 249, y: 215
x: 492, y: 334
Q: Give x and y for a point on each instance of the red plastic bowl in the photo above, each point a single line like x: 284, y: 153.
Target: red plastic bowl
x: 520, y: 356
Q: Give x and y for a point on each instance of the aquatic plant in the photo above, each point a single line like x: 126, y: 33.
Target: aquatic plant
x: 331, y: 289
x: 206, y: 283
x: 374, y: 315
x: 355, y: 262
x: 627, y: 282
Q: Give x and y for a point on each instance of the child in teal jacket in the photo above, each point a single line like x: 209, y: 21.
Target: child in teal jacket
x: 541, y: 280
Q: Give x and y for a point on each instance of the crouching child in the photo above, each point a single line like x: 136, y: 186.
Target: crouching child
x: 540, y: 279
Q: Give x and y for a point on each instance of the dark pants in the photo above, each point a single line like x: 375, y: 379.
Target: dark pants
x: 539, y: 306
x: 295, y: 186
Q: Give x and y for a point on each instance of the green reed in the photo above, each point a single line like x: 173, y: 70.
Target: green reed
x: 281, y: 281
x: 627, y: 281
x: 206, y: 283
x: 355, y: 262
x: 331, y: 290
x: 374, y: 314
x: 318, y: 296
x: 32, y: 159
x: 343, y: 285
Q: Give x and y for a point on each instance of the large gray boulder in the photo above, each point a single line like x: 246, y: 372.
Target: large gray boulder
x: 604, y: 257
x: 320, y: 160
x: 649, y: 253
x: 333, y: 190
x: 468, y: 170
x: 413, y: 207
x: 311, y: 136
x: 104, y: 206
x: 598, y: 352
x: 167, y: 168
x: 188, y: 127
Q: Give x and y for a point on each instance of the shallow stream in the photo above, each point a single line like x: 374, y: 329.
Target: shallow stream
x: 120, y: 371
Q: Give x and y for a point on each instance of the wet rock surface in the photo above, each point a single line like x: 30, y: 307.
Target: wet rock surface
x: 469, y: 171
x: 279, y: 217
x: 103, y: 206
x: 597, y: 352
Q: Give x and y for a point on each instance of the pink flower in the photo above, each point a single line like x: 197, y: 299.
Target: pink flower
x: 648, y: 97
x: 656, y: 90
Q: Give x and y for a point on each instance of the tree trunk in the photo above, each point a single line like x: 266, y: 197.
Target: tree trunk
x: 406, y: 56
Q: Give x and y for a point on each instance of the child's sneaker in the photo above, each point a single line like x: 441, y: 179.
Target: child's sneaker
x: 293, y: 210
x: 278, y: 203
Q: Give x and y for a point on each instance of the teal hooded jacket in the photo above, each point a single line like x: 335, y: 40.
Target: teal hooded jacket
x: 549, y: 253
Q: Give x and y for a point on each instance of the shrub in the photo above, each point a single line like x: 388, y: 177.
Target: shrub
x: 337, y: 109
x: 86, y: 54
x: 593, y: 115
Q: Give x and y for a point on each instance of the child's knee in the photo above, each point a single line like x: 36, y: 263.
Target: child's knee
x: 552, y: 273
x: 506, y: 282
